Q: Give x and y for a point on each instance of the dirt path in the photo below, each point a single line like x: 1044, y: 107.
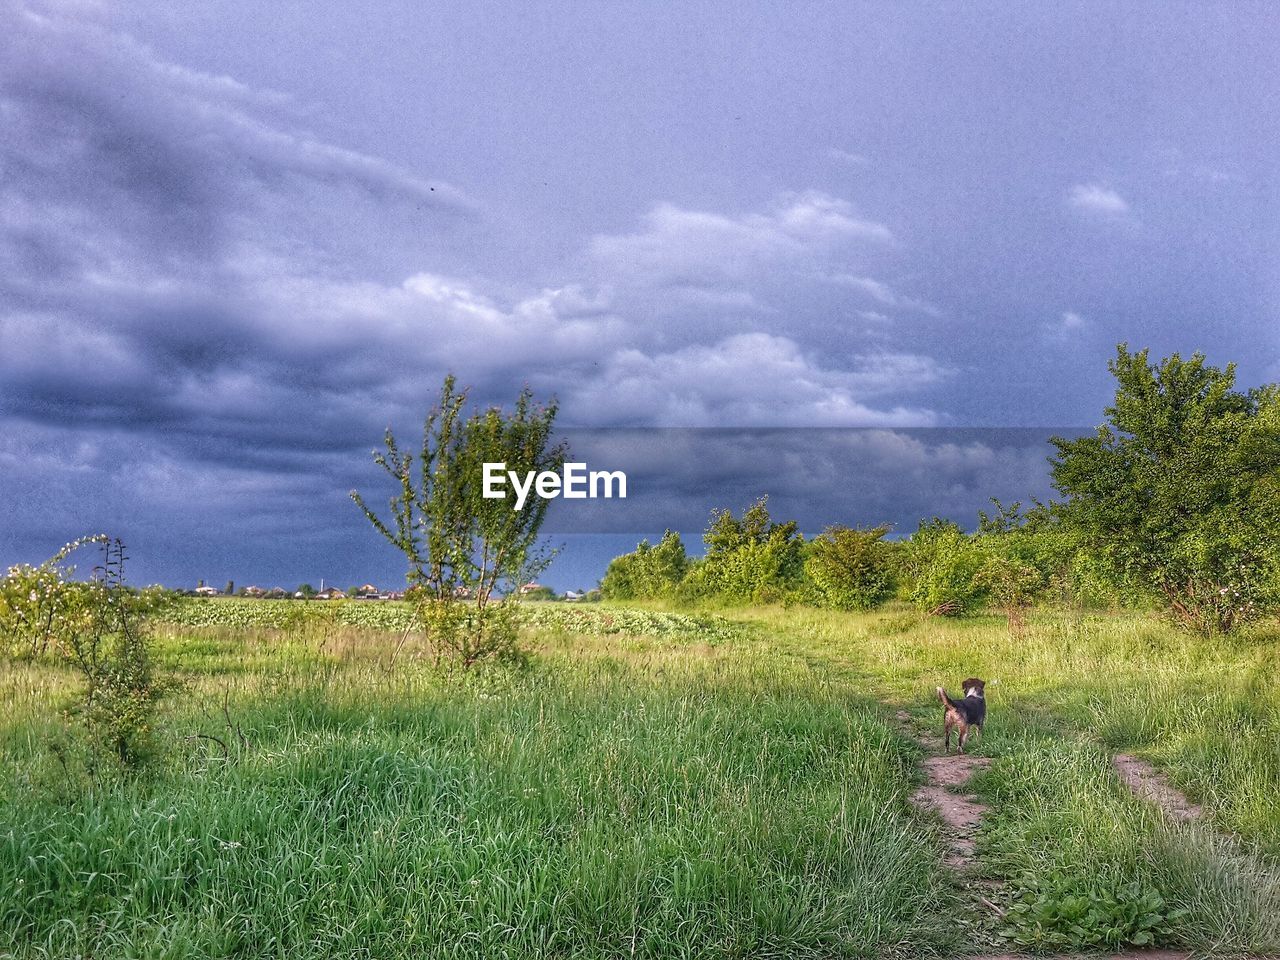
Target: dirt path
x: 1150, y: 784
x: 943, y: 793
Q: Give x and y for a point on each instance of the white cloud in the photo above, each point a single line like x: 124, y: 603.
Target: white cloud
x: 882, y: 293
x: 1094, y: 198
x: 747, y: 380
x: 1067, y: 325
x: 680, y: 247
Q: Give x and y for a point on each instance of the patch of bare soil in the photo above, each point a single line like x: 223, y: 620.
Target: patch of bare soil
x: 943, y: 792
x: 1128, y: 955
x: 1150, y: 784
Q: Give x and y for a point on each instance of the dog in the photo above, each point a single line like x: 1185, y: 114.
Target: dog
x: 966, y: 714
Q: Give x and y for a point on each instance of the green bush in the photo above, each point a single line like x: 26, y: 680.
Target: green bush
x: 850, y: 569
x: 943, y: 564
x: 650, y: 573
x: 749, y: 559
x: 99, y: 628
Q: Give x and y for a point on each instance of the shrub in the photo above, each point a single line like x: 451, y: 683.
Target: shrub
x: 850, y: 569
x: 98, y: 627
x: 943, y: 564
x: 750, y: 559
x: 651, y: 572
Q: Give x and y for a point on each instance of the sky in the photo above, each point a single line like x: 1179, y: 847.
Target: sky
x: 238, y: 241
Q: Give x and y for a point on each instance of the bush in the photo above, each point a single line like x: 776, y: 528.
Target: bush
x: 99, y: 628
x: 943, y: 564
x: 850, y: 569
x: 466, y: 634
x: 650, y: 573
x: 751, y: 559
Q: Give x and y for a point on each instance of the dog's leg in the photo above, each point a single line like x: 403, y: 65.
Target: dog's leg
x: 964, y: 735
x: 946, y: 727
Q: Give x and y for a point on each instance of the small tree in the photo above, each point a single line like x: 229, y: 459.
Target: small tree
x: 850, y: 569
x: 749, y: 559
x: 463, y: 550
x: 98, y: 626
x: 1179, y: 495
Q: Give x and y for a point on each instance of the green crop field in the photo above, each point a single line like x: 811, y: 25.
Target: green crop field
x: 645, y: 784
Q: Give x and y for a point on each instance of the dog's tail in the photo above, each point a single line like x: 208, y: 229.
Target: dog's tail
x: 946, y: 700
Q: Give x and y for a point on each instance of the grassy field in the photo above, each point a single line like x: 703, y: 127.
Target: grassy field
x: 648, y: 784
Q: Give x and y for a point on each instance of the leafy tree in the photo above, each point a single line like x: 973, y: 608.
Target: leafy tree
x: 1179, y: 494
x: 850, y: 569
x: 463, y: 550
x: 307, y: 590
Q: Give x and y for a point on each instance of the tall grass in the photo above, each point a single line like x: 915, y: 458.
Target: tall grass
x: 607, y: 802
x: 1062, y: 829
x: 650, y: 785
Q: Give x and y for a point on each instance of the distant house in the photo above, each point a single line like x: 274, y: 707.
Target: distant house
x: 367, y: 592
x: 531, y: 588
x: 254, y: 592
x: 203, y: 591
x: 330, y: 593
x: 277, y: 593
x: 573, y: 596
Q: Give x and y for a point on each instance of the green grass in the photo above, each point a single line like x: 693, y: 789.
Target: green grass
x: 625, y: 796
x: 1071, y: 690
x: 652, y: 784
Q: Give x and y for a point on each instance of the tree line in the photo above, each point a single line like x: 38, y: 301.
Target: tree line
x: 1174, y: 502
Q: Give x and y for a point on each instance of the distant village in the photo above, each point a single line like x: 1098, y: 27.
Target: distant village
x: 369, y: 592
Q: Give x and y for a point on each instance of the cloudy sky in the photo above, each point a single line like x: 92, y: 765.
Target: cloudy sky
x: 238, y: 240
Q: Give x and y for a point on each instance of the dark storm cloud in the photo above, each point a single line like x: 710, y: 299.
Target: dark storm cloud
x: 815, y: 476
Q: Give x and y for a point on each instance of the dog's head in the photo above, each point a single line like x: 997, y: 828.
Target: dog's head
x: 973, y: 687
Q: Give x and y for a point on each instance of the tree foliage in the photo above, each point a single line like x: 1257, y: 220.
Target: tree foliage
x: 942, y: 564
x: 650, y: 573
x: 850, y: 569
x: 749, y: 559
x: 1178, y: 494
x: 463, y: 550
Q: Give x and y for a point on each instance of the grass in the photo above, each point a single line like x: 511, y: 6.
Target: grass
x: 625, y: 796
x: 651, y: 785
